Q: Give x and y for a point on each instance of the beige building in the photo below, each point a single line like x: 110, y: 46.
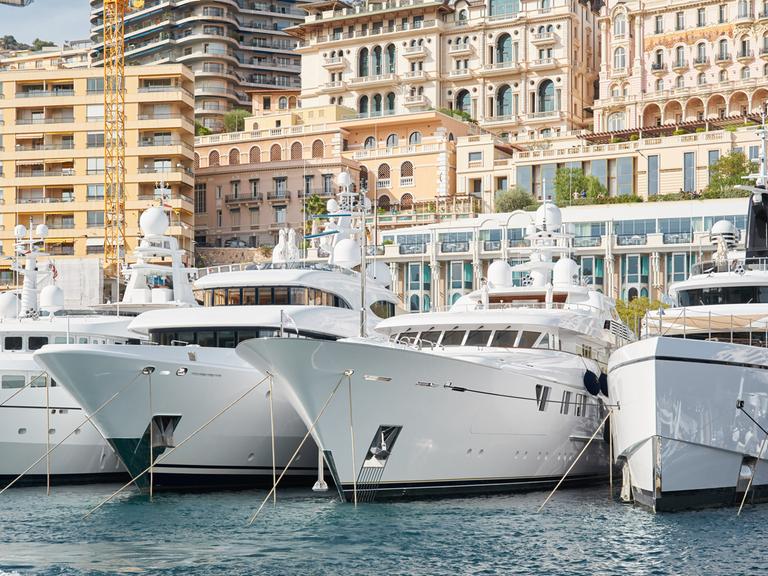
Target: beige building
x: 682, y: 64
x: 520, y: 68
x: 69, y: 55
x: 52, y: 157
x: 250, y: 184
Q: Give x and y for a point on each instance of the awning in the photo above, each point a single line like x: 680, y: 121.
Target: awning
x: 94, y: 241
x: 28, y: 162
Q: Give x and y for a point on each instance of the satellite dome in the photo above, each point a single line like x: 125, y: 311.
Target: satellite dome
x: 379, y: 272
x: 332, y: 206
x: 9, y: 305
x: 153, y: 221
x: 19, y: 231
x: 346, y: 253
x: 499, y: 274
x: 548, y: 217
x: 723, y: 227
x: 565, y: 271
x: 51, y: 298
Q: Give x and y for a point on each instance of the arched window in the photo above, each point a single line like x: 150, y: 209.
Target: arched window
x: 391, y: 140
x: 391, y: 62
x: 614, y: 91
x: 426, y: 303
x: 701, y: 79
x: 406, y: 201
x: 546, y: 96
x: 745, y: 73
x: 362, y: 106
x: 504, y: 48
x: 406, y: 169
x: 213, y: 158
x: 464, y: 101
x: 292, y: 102
x: 296, y: 151
x: 362, y: 62
x: 659, y: 85
x: 616, y: 121
x: 197, y: 161
x: 723, y: 76
x: 383, y: 202
x: 282, y: 104
x: 679, y: 56
x: 390, y: 103
x: 722, y: 49
x: 504, y: 101
x: 658, y: 59
x: 370, y: 143
x: 619, y: 59
x: 363, y: 178
x: 376, y: 105
x: 620, y: 24
x: 254, y: 155
x: 413, y: 303
x: 545, y: 4
x: 451, y: 137
x: 679, y: 81
x: 414, y: 138
x: 275, y: 153
x: 234, y: 156
x: 463, y: 15
x: 318, y: 149
x: 378, y: 61
x: 701, y: 52
x: 382, y: 176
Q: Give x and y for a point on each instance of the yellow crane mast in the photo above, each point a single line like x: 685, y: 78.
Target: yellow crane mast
x: 114, y: 132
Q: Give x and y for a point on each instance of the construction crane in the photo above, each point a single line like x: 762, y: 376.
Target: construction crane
x: 19, y: 3
x: 114, y: 132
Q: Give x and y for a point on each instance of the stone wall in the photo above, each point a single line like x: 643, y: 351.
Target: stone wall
x: 205, y: 257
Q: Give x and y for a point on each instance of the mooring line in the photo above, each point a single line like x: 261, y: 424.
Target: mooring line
x: 164, y: 455
x: 583, y: 450
x: 740, y: 406
x: 514, y: 397
x: 352, y: 440
x: 20, y: 390
x: 84, y: 422
x: 309, y: 431
x: 272, y: 429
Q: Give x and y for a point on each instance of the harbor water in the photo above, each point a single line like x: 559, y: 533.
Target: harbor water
x: 579, y: 532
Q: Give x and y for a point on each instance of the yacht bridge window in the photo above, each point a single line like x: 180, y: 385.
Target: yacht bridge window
x: 499, y: 338
x: 723, y: 295
x: 270, y: 295
x: 223, y: 337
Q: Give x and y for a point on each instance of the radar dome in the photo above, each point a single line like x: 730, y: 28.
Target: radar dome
x: 19, y: 231
x: 379, y: 272
x: 42, y: 231
x: 346, y: 253
x: 565, y: 271
x: 725, y: 229
x: 332, y: 205
x: 51, y: 298
x: 9, y: 305
x: 153, y: 221
x: 548, y: 217
x: 499, y: 274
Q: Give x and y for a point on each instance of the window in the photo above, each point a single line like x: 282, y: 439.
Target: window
x: 95, y: 140
x: 542, y: 395
x: 95, y: 192
x: 653, y: 175
x: 722, y: 13
x: 200, y: 197
x: 12, y: 343
x: 475, y: 157
x: 680, y: 21
x: 679, y: 56
x: 383, y: 309
x: 392, y: 140
x: 37, y: 342
x: 370, y: 143
x: 13, y: 381
x: 546, y: 96
x: 679, y: 81
x: 453, y: 338
x: 565, y: 404
x: 95, y: 85
x: 281, y: 212
x: 689, y: 172
x: 743, y: 9
x: 95, y: 166
x: 745, y: 73
x: 620, y: 24
x: 414, y: 138
x: 504, y: 338
x: 463, y: 102
x: 94, y: 112
x: 478, y: 338
x: 95, y: 218
x: 616, y: 121
x: 504, y: 101
x: 701, y: 17
x: 658, y: 24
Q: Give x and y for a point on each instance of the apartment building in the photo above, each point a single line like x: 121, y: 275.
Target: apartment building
x: 250, y: 184
x: 74, y: 54
x: 232, y: 46
x: 522, y: 69
x: 624, y: 250
x: 644, y: 167
x: 52, y: 158
x: 685, y: 64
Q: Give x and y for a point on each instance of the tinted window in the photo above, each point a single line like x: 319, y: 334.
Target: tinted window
x: 407, y: 337
x: 13, y: 381
x: 504, y: 338
x: 453, y: 337
x: 37, y: 342
x: 383, y: 309
x: 299, y: 296
x: 13, y: 342
x: 724, y: 295
x: 432, y: 336
x: 206, y: 338
x: 246, y: 335
x: 227, y: 339
x: 478, y: 338
x: 528, y: 339
x: 249, y: 296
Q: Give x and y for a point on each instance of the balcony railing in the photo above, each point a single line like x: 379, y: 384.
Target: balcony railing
x: 631, y: 239
x: 491, y: 245
x: 278, y: 195
x: 37, y: 147
x: 383, y: 183
x: 232, y: 198
x: 678, y: 238
x: 586, y: 241
x: 49, y: 200
x: 44, y: 93
x: 658, y: 66
x: 413, y: 248
x: 165, y: 170
x: 453, y: 247
x: 46, y: 173
x: 54, y: 120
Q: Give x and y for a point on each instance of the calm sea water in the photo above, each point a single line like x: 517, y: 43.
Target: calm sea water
x: 580, y: 532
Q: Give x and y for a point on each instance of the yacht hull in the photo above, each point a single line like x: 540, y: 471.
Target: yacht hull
x: 439, y: 440
x: 678, y: 431
x: 183, y: 388
x: 24, y: 421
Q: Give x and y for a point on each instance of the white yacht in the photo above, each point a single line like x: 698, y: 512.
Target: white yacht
x: 37, y: 412
x: 500, y: 392
x: 693, y: 396
x: 195, y: 372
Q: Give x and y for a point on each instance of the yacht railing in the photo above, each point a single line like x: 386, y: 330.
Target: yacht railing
x: 706, y: 325
x: 246, y: 266
x: 735, y: 265
x: 515, y: 305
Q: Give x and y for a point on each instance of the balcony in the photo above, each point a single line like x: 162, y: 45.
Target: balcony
x: 501, y: 68
x: 46, y: 200
x: 491, y: 245
x: 278, y: 195
x: 723, y: 59
x: 454, y: 247
x: 701, y: 62
x: 242, y: 198
x: 543, y: 115
x: 658, y: 68
x: 543, y: 38
x: 680, y: 65
x: 460, y: 73
x: 147, y: 142
x: 416, y: 76
x: 373, y: 80
x: 460, y: 48
x: 334, y: 63
x: 587, y: 241
x: 40, y: 147
x: 46, y: 173
x: 632, y: 240
x: 415, y: 51
x: 45, y: 93
x: 383, y: 183
x: 417, y: 100
x: 745, y: 55
x: 406, y: 181
x: 163, y: 88
x: 544, y: 63
x: 678, y: 238
x: 413, y: 248
x: 165, y: 170
x: 52, y: 120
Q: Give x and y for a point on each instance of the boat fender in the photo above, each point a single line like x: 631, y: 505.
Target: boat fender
x: 591, y: 382
x: 603, y: 380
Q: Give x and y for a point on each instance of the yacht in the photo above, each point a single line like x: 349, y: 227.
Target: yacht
x: 499, y: 392
x: 37, y: 411
x: 192, y: 375
x: 693, y: 398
